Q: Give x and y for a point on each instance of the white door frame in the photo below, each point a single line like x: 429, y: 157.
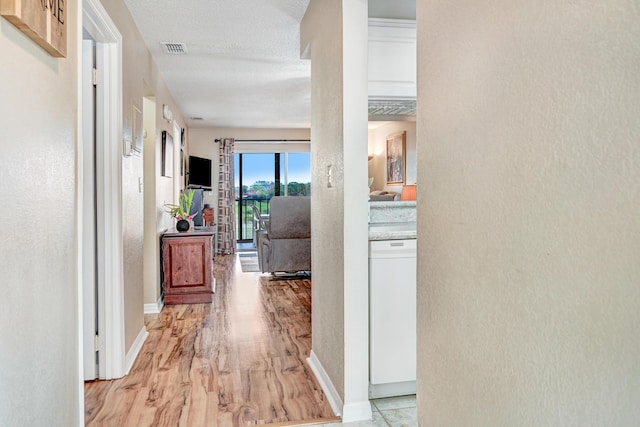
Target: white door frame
x: 87, y: 220
x: 99, y: 25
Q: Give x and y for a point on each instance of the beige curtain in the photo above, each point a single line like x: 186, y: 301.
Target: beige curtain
x: 226, y: 199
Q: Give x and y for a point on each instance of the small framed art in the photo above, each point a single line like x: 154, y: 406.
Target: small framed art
x: 396, y: 158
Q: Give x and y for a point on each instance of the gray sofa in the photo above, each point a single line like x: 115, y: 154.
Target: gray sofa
x: 285, y: 245
x: 383, y: 196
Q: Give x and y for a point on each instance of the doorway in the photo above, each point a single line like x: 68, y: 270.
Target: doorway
x: 90, y: 259
x: 100, y: 195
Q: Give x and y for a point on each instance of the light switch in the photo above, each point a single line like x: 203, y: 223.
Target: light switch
x: 127, y: 147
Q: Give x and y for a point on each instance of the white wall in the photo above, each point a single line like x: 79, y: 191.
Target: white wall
x: 39, y: 343
x: 356, y: 204
x: 529, y: 232
x: 378, y: 148
x: 334, y: 36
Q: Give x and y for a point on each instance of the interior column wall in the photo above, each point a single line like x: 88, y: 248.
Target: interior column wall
x: 528, y: 233
x: 327, y: 201
x: 355, y: 22
x: 339, y: 195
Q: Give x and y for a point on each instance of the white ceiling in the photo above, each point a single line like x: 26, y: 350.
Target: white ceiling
x: 243, y: 66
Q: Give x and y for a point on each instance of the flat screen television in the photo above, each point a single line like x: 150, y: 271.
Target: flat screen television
x: 199, y: 172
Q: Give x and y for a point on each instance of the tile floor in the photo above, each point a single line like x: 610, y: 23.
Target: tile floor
x: 388, y: 412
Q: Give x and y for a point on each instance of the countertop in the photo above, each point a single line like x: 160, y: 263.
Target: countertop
x: 391, y: 212
x: 392, y: 231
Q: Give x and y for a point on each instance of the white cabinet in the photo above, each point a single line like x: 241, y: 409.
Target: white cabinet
x: 392, y: 59
x: 392, y: 317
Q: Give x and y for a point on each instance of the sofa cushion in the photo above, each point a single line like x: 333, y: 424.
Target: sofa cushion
x: 289, y: 217
x: 382, y: 197
x: 288, y: 255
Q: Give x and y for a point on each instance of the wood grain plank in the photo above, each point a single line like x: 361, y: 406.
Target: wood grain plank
x: 240, y: 361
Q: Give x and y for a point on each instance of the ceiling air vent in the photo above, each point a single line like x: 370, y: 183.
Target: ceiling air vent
x: 174, y: 48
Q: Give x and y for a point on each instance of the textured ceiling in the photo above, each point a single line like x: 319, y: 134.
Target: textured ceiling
x: 242, y: 67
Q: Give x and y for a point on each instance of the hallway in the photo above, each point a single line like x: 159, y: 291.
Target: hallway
x: 239, y: 361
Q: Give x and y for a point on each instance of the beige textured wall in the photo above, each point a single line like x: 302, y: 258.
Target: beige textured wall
x: 378, y: 148
x: 327, y: 213
x: 141, y: 76
x: 529, y: 232
x: 132, y: 171
x: 39, y: 333
x: 158, y: 190
x: 335, y: 33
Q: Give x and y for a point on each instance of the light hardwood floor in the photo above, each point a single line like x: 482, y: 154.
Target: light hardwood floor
x: 239, y: 361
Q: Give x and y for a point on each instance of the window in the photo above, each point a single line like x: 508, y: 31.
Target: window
x: 260, y: 176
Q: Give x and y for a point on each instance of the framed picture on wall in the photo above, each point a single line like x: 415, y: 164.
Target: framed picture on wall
x: 396, y: 158
x: 167, y: 154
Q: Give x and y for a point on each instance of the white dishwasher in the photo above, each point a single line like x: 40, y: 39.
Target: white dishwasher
x: 392, y: 317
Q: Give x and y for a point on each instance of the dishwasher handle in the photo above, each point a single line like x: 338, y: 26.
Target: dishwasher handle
x: 392, y: 248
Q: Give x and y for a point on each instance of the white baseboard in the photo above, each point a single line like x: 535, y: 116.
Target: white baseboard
x: 358, y: 411
x: 377, y: 391
x: 325, y: 383
x: 154, y: 308
x: 135, y: 349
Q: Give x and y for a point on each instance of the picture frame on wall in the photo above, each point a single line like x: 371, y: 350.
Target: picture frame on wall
x: 167, y: 154
x: 44, y: 22
x: 181, y: 162
x: 183, y: 159
x: 396, y: 158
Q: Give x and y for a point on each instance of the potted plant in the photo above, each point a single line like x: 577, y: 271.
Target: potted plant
x: 181, y: 210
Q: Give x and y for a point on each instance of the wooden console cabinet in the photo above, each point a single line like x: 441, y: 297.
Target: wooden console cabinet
x: 188, y: 267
